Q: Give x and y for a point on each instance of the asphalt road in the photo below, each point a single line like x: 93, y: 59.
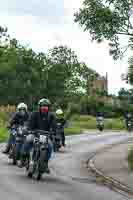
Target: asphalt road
x: 69, y: 178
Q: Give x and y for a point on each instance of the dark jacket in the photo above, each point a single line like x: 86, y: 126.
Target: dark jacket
x: 44, y: 122
x: 18, y: 119
x: 61, y: 121
x: 128, y: 116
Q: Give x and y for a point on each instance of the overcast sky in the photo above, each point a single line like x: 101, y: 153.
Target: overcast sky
x: 45, y: 23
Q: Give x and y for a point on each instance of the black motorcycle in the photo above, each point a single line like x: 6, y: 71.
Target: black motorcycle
x: 57, y: 138
x: 15, y: 150
x: 129, y: 125
x: 13, y: 132
x: 100, y: 124
x: 37, y: 161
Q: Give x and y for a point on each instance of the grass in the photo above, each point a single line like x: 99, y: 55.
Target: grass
x: 3, y: 130
x: 76, y: 125
x: 82, y: 122
x: 130, y: 158
x: 3, y: 134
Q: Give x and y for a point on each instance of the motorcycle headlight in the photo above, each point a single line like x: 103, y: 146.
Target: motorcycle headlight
x: 43, y: 138
x: 20, y: 131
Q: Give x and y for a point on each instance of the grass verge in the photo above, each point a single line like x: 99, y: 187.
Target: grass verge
x: 81, y: 122
x: 3, y: 134
x: 130, y: 158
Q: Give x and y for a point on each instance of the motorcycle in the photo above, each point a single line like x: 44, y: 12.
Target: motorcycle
x: 57, y: 138
x: 13, y: 132
x: 100, y: 124
x: 129, y: 126
x: 37, y: 161
x: 15, y: 150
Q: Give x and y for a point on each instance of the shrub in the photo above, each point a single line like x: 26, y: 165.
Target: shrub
x: 3, y: 134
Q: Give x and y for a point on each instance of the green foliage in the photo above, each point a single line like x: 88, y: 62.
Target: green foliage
x: 114, y: 124
x: 3, y: 134
x: 27, y: 76
x: 129, y: 78
x: 78, y: 123
x: 108, y: 20
x: 72, y: 131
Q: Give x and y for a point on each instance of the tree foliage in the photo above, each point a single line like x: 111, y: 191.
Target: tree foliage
x: 108, y: 20
x: 27, y: 76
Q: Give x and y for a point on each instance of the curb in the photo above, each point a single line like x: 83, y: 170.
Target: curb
x: 109, y: 181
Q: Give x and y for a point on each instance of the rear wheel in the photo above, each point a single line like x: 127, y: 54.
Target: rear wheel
x: 129, y: 129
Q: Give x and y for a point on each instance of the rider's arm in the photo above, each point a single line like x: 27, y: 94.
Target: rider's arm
x: 14, y: 120
x: 32, y: 122
x: 52, y: 122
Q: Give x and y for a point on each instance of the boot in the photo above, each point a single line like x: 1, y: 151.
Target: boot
x: 7, y: 149
x: 47, y: 170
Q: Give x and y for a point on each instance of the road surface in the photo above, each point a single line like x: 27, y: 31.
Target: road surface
x: 69, y: 178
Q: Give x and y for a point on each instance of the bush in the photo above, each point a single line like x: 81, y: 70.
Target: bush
x: 115, y: 123
x: 3, y: 118
x: 3, y: 134
x: 72, y: 131
x: 130, y: 158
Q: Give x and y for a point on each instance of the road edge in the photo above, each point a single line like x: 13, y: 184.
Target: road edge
x: 110, y: 182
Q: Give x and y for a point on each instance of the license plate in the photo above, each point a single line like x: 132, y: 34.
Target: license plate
x: 43, y: 138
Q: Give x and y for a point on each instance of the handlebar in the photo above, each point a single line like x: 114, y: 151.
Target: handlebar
x: 37, y: 132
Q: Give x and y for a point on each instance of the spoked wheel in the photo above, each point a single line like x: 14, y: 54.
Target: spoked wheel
x: 29, y: 169
x: 12, y: 155
x: 37, y: 174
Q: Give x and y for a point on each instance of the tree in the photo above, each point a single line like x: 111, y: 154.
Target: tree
x: 108, y: 20
x: 64, y: 72
x: 28, y: 76
x: 87, y: 76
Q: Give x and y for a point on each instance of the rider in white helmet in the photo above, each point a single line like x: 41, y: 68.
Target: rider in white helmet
x: 19, y: 118
x: 60, y: 119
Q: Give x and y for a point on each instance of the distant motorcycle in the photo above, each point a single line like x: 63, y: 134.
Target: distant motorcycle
x: 100, y: 123
x: 37, y: 161
x: 129, y: 125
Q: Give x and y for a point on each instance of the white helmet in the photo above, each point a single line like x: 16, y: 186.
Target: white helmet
x: 22, y: 106
x: 59, y: 112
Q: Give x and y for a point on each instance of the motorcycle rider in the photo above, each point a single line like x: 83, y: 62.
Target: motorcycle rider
x: 99, y: 117
x: 60, y: 119
x: 128, y: 117
x: 42, y: 119
x: 19, y: 118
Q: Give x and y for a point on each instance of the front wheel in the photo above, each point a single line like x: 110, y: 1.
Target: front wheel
x: 12, y: 154
x: 37, y: 174
x: 101, y: 128
x: 129, y: 129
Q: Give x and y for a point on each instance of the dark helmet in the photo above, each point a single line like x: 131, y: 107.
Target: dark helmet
x: 44, y: 105
x: 44, y: 102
